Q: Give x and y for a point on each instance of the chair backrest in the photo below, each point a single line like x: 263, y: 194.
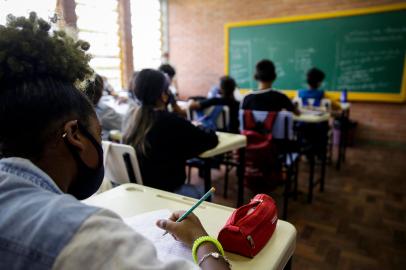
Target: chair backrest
x: 325, y: 103
x: 121, y: 163
x: 282, y: 127
x: 222, y: 121
x: 298, y: 102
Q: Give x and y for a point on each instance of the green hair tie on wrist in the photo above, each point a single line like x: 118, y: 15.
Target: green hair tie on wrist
x: 202, y: 240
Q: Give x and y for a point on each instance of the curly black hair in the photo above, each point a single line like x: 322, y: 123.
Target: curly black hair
x: 39, y: 71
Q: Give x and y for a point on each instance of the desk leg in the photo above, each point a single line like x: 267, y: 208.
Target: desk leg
x: 344, y: 119
x: 207, y: 176
x: 311, y: 177
x: 345, y: 140
x: 241, y: 173
x: 288, y: 266
x: 324, y: 159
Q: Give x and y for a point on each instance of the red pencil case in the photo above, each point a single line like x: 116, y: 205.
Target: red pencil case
x: 249, y: 227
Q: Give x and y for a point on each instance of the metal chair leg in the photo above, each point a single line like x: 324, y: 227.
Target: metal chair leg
x: 189, y: 173
x: 296, y: 178
x: 286, y: 194
x: 226, y: 181
x: 311, y: 178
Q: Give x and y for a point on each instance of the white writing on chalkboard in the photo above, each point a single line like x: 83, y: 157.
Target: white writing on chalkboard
x: 303, y: 59
x: 375, y: 35
x: 360, y: 53
x: 360, y: 69
x: 241, y: 61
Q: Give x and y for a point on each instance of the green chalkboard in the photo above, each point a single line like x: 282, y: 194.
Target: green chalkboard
x: 364, y: 53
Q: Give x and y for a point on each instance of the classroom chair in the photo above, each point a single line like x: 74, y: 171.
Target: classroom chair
x: 120, y: 163
x: 222, y: 121
x: 287, y: 152
x: 325, y: 104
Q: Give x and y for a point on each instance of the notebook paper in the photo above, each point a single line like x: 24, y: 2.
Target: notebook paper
x: 167, y: 247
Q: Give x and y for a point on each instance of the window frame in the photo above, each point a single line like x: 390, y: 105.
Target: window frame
x: 66, y: 8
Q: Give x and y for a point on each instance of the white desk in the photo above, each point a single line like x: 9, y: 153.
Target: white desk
x: 227, y: 142
x: 132, y: 199
x: 308, y: 116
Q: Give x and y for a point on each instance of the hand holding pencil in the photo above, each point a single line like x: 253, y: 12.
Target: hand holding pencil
x: 184, y: 225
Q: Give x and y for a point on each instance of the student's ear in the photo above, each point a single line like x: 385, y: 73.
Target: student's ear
x: 72, y: 135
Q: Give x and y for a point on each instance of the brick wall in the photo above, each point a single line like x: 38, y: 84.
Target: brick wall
x: 196, y: 44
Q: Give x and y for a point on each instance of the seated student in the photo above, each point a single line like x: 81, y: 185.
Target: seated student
x: 163, y: 140
x: 214, y: 92
x: 132, y: 101
x: 267, y: 99
x: 107, y: 88
x: 108, y: 117
x: 170, y: 71
x: 315, y: 78
x: 51, y: 158
x: 227, y: 87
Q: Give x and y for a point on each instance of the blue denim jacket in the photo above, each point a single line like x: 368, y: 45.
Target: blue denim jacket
x: 37, y: 219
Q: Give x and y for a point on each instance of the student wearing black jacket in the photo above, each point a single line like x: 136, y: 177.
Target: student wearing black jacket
x: 265, y: 98
x: 163, y: 141
x: 227, y: 87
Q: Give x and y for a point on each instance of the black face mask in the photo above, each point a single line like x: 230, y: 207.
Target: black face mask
x: 88, y: 179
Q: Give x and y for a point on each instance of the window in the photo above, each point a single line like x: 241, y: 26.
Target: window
x: 146, y: 33
x: 97, y: 23
x: 44, y: 8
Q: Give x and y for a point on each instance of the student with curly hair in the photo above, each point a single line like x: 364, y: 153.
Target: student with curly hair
x: 51, y: 157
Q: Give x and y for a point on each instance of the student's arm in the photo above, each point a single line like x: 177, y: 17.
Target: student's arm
x: 110, y: 119
x: 178, y: 110
x: 180, y: 231
x: 105, y: 242
x: 194, y: 105
x: 175, y: 107
x: 189, y: 139
x: 288, y: 105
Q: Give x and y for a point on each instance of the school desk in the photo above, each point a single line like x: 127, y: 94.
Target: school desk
x: 131, y: 199
x: 321, y: 119
x: 228, y: 142
x: 313, y: 117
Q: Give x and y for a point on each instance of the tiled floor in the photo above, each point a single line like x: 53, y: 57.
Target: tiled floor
x: 359, y: 222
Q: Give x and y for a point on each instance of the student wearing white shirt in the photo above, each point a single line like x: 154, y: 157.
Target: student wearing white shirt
x: 109, y: 119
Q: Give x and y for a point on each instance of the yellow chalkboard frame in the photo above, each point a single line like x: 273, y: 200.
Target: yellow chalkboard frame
x: 353, y: 96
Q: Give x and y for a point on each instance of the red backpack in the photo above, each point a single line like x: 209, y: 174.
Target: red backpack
x: 261, y: 167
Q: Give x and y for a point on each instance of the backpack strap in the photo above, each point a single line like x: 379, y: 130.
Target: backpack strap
x: 269, y: 121
x: 249, y: 120
x: 251, y: 124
